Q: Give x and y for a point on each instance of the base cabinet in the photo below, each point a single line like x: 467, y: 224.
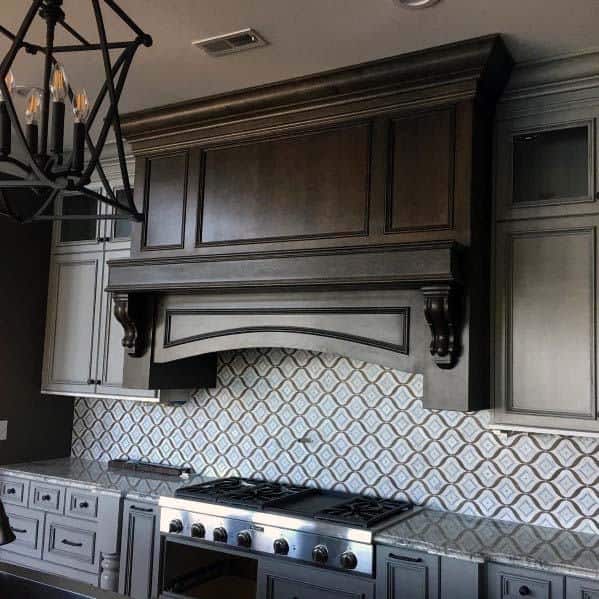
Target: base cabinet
x: 508, y: 582
x: 579, y: 588
x: 404, y: 574
x: 138, y: 544
x: 278, y: 581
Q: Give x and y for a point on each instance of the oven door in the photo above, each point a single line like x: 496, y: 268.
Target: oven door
x: 192, y: 569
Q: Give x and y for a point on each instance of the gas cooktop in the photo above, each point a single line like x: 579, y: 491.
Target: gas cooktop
x: 339, y: 508
x: 326, y: 528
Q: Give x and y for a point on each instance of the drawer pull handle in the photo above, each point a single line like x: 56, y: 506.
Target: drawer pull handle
x: 84, y: 505
x: 524, y: 590
x: 46, y: 497
x: 142, y: 509
x: 21, y: 531
x: 405, y: 558
x: 11, y: 491
x: 71, y: 543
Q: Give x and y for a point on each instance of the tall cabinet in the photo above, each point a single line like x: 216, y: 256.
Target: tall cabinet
x: 83, y: 355
x: 546, y: 225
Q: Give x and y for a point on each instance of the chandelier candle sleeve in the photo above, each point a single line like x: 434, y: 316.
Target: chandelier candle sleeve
x: 58, y: 90
x: 80, y: 113
x: 32, y: 116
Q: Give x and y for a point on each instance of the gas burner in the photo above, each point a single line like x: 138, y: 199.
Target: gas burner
x: 363, y: 511
x: 244, y: 492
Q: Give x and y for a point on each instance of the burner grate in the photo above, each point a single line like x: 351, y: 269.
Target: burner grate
x: 363, y: 511
x: 244, y: 492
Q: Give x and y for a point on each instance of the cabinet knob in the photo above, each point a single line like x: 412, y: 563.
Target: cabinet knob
x: 46, y: 497
x: 11, y: 491
x: 84, y: 505
x: 524, y: 590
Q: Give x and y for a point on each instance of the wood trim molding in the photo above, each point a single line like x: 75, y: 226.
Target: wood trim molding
x: 407, y: 265
x: 442, y: 310
x: 132, y: 340
x: 484, y: 61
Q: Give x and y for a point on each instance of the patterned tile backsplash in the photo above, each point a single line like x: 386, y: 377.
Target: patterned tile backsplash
x: 328, y: 421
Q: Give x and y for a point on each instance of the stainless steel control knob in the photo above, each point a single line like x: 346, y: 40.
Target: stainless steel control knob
x: 348, y: 560
x: 175, y: 526
x: 244, y: 539
x: 198, y: 531
x: 280, y: 546
x: 320, y: 554
x: 220, y: 534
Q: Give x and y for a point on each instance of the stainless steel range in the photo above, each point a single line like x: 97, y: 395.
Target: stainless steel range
x: 327, y: 529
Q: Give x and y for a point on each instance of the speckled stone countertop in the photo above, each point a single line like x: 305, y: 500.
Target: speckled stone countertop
x: 484, y: 539
x: 88, y: 473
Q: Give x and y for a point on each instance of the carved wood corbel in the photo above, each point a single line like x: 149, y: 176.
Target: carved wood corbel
x: 442, y: 310
x: 132, y: 340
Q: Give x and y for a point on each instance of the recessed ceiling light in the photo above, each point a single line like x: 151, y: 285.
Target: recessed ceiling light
x: 415, y: 3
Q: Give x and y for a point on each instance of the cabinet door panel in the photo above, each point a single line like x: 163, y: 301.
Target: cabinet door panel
x: 72, y: 336
x: 546, y: 351
x: 507, y: 582
x: 111, y: 352
x: 277, y: 580
x: 403, y: 574
x: 137, y: 550
x: 579, y: 588
x: 421, y: 168
x: 308, y: 185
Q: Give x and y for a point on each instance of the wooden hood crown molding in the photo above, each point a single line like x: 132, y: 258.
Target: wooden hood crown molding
x: 477, y: 67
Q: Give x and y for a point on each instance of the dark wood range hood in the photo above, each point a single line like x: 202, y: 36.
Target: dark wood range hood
x: 346, y: 212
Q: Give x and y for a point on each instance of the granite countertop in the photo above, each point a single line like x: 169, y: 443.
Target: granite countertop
x: 89, y: 473
x: 484, y: 539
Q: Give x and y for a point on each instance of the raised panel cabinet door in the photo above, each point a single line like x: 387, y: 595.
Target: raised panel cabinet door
x: 307, y: 185
x: 510, y: 582
x: 137, y: 550
x: 111, y: 354
x: 277, y: 580
x: 421, y: 172
x: 405, y: 574
x: 580, y: 588
x: 546, y: 288
x: 71, y: 345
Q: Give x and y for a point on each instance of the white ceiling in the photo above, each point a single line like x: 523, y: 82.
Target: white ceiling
x: 305, y: 36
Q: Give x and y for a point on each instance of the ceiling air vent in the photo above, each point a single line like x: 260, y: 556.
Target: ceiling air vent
x: 238, y: 41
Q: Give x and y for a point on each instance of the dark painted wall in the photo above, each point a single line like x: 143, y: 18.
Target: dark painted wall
x: 39, y: 427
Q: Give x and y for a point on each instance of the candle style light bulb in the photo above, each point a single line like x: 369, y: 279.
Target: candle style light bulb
x: 32, y: 111
x: 10, y: 84
x: 81, y: 106
x: 58, y: 83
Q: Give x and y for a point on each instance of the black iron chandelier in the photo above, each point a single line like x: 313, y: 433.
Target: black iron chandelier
x: 43, y: 168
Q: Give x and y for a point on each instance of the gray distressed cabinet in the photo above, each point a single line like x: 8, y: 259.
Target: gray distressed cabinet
x: 545, y: 265
x: 62, y: 529
x: 83, y: 354
x: 403, y: 573
x: 139, y: 545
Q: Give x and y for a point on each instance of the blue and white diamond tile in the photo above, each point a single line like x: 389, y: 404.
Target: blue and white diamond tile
x: 366, y: 432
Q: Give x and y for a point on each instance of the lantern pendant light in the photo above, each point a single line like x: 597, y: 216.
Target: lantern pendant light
x: 46, y: 170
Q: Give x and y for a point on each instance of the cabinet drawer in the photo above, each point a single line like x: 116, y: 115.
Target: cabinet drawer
x: 28, y: 526
x: 507, y: 582
x: 47, y: 497
x: 14, y: 490
x: 81, y: 504
x: 71, y: 543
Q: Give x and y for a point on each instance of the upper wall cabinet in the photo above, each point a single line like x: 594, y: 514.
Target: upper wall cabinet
x: 546, y: 164
x: 546, y: 256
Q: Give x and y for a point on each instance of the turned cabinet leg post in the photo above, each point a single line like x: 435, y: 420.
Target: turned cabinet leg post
x: 442, y: 310
x: 109, y: 576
